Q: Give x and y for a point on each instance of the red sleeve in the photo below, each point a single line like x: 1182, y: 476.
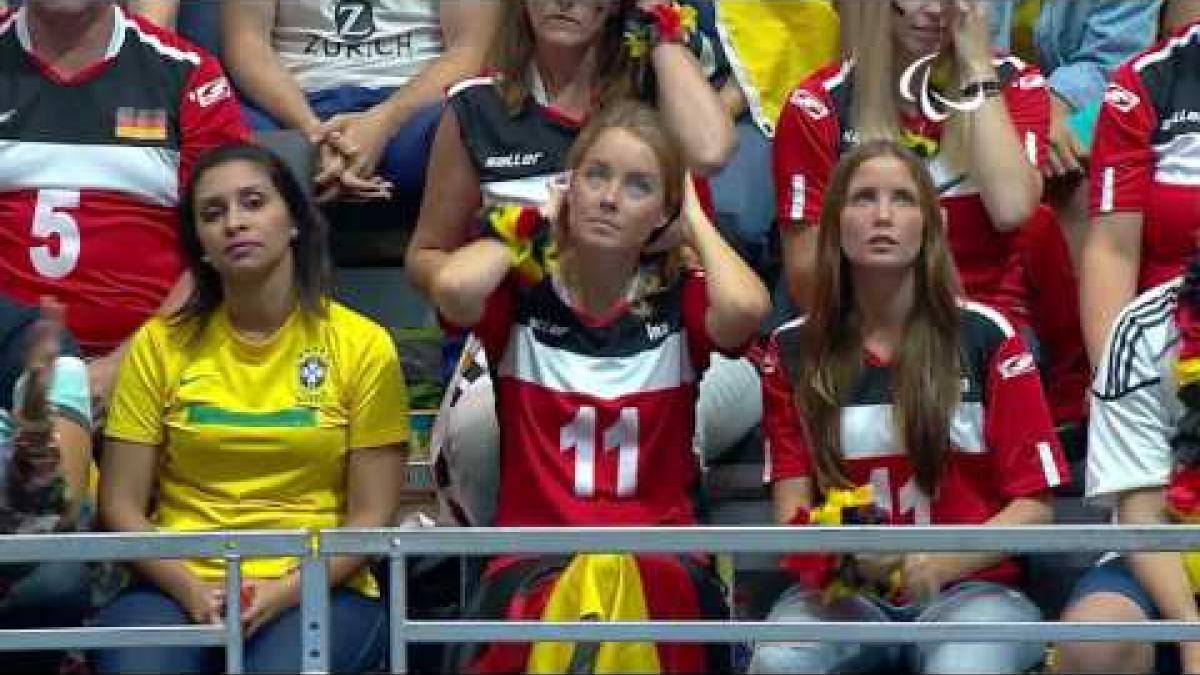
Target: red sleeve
x: 695, y: 313
x: 1122, y: 157
x: 805, y: 151
x: 1017, y: 426
x: 1028, y: 103
x: 209, y: 115
x: 788, y: 454
x: 495, y: 325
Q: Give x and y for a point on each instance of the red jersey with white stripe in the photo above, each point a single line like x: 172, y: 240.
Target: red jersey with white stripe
x: 816, y: 128
x: 1002, y: 439
x: 596, y: 413
x: 91, y: 169
x: 1146, y: 157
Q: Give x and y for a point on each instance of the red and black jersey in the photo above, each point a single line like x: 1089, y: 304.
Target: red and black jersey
x: 1147, y: 152
x: 91, y: 169
x: 515, y: 155
x: 1003, y: 442
x: 596, y: 413
x: 816, y: 128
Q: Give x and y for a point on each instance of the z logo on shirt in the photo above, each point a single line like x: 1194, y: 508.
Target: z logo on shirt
x: 1015, y: 366
x: 1121, y: 98
x: 355, y: 19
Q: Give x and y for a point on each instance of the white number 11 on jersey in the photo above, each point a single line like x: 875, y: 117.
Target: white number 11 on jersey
x: 622, y: 436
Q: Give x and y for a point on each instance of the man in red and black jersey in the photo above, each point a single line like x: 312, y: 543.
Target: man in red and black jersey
x: 102, y: 115
x: 1145, y: 181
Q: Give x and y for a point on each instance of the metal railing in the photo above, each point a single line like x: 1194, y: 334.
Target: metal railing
x: 233, y: 547
x: 401, y: 545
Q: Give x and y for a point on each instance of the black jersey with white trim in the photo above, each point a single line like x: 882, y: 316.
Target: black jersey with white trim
x: 516, y: 155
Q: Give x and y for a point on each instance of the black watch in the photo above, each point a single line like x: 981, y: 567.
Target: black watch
x: 988, y: 88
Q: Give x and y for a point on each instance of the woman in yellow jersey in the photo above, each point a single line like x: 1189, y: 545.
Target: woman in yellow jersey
x: 260, y: 404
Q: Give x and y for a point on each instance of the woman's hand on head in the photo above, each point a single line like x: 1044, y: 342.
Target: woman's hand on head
x: 972, y: 40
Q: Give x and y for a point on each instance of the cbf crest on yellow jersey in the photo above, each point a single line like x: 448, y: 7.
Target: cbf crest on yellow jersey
x: 311, y: 374
x: 255, y: 434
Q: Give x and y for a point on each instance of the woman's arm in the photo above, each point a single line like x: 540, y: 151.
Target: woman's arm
x: 468, y: 278
x: 1009, y: 184
x: 451, y: 200
x: 693, y: 109
x: 128, y: 473
x: 789, y: 496
x: 926, y: 573
x: 737, y: 300
x: 1111, y: 256
x: 260, y: 75
x: 1161, y: 573
x: 467, y: 29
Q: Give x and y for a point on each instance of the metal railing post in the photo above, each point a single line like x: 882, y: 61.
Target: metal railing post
x: 314, y: 610
x: 234, y: 645
x: 398, y: 611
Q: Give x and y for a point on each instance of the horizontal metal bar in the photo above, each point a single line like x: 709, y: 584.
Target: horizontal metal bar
x: 488, y: 541
x: 97, y: 638
x: 145, y: 545
x: 759, y: 631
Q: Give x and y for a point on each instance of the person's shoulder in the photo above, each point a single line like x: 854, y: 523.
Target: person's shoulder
x: 167, y: 44
x: 1180, y: 50
x: 473, y: 88
x: 984, y: 329
x: 1017, y: 73
x: 829, y: 77
x: 1150, y: 317
x: 351, y: 327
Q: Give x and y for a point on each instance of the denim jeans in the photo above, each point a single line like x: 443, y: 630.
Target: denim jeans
x: 357, y: 640
x: 968, y: 601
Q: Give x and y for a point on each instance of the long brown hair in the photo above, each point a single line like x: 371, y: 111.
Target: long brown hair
x: 512, y: 48
x: 647, y: 125
x: 925, y: 381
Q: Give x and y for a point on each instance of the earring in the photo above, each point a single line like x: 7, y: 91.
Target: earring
x: 205, y: 259
x: 295, y: 232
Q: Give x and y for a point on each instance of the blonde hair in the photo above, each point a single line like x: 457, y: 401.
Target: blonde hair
x: 660, y: 271
x: 876, y: 111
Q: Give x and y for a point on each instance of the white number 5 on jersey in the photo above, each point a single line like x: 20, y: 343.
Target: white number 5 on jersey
x: 52, y: 221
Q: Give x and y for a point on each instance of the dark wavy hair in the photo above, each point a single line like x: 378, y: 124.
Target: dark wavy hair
x: 310, y: 252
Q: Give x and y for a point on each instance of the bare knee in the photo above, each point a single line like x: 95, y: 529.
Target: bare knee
x: 1104, y: 657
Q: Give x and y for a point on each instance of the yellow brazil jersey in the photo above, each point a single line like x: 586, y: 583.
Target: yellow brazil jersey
x: 255, y: 435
